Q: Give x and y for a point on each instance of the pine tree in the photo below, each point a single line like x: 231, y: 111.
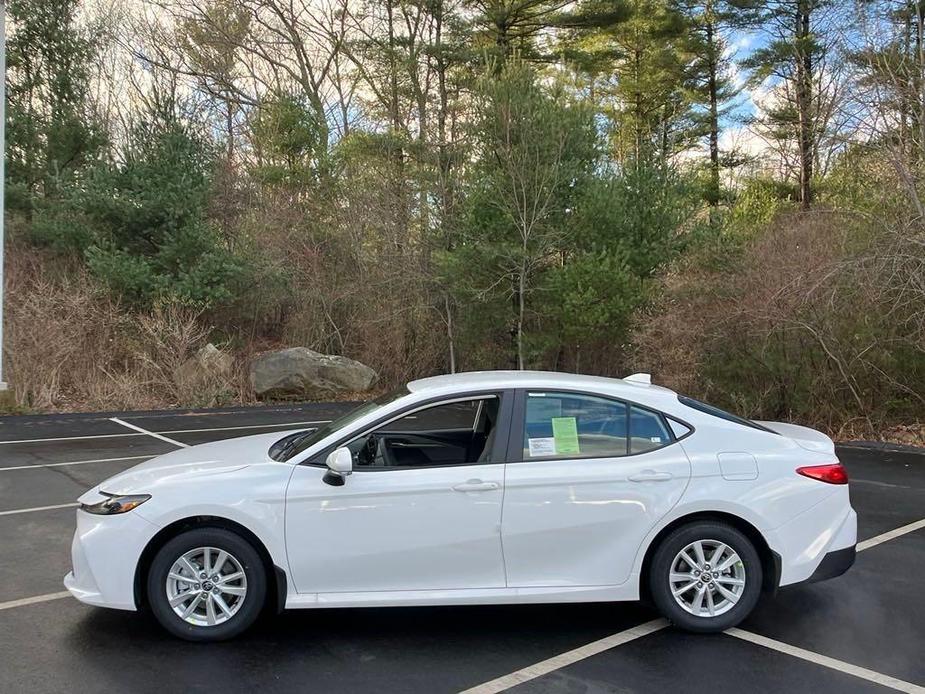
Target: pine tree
x: 635, y: 57
x: 709, y: 22
x: 791, y: 57
x: 51, y: 132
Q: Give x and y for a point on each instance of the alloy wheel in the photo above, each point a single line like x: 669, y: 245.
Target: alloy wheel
x: 206, y: 586
x: 707, y: 578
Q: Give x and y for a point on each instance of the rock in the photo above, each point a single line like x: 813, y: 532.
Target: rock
x: 207, y: 364
x: 301, y: 372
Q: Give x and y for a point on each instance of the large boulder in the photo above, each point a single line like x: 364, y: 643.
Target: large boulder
x: 301, y: 372
x: 208, y: 364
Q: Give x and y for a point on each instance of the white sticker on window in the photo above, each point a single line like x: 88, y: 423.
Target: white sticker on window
x: 543, y: 446
x: 655, y: 439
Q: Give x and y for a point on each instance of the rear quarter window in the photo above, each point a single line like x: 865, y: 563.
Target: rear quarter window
x: 647, y: 431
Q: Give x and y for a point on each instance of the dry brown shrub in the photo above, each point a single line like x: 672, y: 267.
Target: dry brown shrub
x: 797, y: 328
x: 70, y: 346
x: 357, y: 291
x: 62, y: 336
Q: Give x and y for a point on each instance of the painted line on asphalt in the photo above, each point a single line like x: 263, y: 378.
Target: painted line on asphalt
x: 75, y: 462
x: 565, y: 659
x: 10, y: 604
x: 170, y: 431
x: 149, y: 433
x: 568, y: 658
x: 247, y: 426
x: 16, y: 511
x: 891, y: 535
x: 826, y: 661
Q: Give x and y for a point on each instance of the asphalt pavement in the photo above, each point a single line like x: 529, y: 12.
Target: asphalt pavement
x: 864, y: 631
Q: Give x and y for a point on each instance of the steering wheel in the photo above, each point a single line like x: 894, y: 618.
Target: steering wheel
x: 367, y: 454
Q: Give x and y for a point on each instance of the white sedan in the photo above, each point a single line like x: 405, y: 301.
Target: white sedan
x: 477, y: 488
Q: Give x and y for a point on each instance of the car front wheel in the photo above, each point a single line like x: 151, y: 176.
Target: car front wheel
x: 705, y: 577
x: 207, y: 584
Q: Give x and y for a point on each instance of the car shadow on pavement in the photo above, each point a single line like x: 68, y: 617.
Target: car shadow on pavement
x: 436, y: 649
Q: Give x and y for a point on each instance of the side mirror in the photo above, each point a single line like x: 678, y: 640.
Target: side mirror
x: 340, y: 464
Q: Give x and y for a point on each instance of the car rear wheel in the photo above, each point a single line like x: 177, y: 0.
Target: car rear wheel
x: 705, y: 576
x: 206, y: 584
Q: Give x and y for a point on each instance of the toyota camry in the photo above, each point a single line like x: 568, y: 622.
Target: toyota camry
x: 475, y: 488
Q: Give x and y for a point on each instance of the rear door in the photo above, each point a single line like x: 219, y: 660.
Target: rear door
x: 588, y: 478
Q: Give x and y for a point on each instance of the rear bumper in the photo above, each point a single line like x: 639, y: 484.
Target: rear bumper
x: 833, y: 564
x: 805, y: 541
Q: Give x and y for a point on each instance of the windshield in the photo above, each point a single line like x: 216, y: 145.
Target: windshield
x: 290, y: 446
x: 722, y: 414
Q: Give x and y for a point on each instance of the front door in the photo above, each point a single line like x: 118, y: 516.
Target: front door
x: 421, y: 511
x: 589, y: 480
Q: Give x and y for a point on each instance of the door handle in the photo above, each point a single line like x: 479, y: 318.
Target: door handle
x: 650, y: 476
x: 476, y: 486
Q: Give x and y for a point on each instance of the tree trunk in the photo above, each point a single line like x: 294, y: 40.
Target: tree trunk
x: 229, y: 128
x: 804, y: 97
x: 521, y: 300
x: 714, y: 191
x: 443, y: 167
x: 637, y: 106
x: 920, y: 55
x: 450, y: 334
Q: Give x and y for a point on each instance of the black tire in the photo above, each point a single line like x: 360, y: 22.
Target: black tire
x: 237, y: 547
x: 679, y: 539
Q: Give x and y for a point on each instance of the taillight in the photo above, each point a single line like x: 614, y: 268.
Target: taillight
x: 832, y: 474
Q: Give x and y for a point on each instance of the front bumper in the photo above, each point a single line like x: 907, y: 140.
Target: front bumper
x: 104, y: 553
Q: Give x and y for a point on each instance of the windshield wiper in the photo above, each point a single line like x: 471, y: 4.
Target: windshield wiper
x: 281, y: 450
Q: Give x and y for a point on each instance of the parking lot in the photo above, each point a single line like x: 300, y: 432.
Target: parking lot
x: 862, y: 632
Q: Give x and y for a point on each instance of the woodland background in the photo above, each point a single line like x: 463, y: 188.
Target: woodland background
x: 725, y: 193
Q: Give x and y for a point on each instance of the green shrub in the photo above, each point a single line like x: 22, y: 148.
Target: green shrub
x: 141, y: 224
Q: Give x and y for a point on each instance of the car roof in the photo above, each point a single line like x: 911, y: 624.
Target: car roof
x: 476, y: 380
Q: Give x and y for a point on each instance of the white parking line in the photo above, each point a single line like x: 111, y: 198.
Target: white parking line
x: 891, y: 535
x: 562, y: 660
x: 10, y: 604
x: 556, y: 662
x: 74, y: 462
x: 149, y: 433
x: 171, y: 431
x: 565, y: 659
x: 16, y: 511
x: 826, y: 661
x: 247, y: 426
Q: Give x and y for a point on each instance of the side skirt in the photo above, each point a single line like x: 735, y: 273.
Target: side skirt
x: 468, y: 596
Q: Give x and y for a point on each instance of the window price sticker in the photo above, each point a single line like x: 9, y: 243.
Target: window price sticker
x: 542, y: 446
x: 565, y: 434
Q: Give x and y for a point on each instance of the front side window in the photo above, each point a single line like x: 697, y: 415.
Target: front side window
x: 455, y: 433
x: 570, y: 425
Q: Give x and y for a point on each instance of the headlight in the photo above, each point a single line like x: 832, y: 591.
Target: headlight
x: 116, y: 503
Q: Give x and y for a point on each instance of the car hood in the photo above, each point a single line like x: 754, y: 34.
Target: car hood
x: 204, y: 460
x: 804, y: 437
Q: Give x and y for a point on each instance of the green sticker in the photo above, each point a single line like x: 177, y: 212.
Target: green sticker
x: 565, y: 433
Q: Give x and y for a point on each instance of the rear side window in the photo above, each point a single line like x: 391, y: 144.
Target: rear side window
x: 722, y: 414
x: 573, y: 425
x: 570, y: 425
